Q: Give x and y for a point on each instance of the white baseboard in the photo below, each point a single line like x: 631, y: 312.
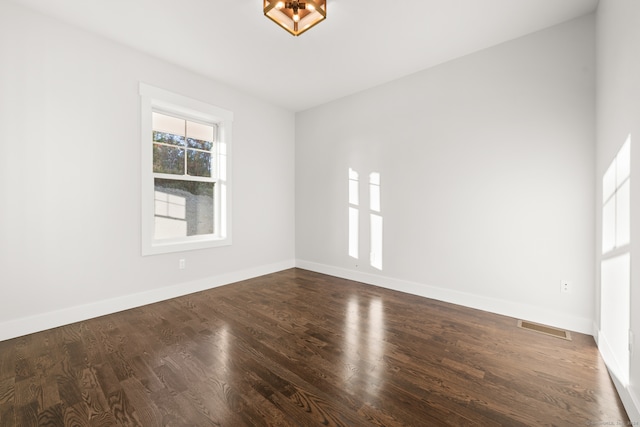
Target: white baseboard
x: 493, y: 305
x: 40, y: 322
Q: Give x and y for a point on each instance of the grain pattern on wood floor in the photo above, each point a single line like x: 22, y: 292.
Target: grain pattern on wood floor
x: 297, y: 348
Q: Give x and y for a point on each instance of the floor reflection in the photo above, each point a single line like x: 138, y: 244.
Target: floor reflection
x: 364, y: 346
x: 352, y: 338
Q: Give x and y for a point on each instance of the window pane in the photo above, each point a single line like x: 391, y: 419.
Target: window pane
x: 198, y: 163
x: 200, y: 131
x: 199, y: 144
x: 168, y: 138
x: 183, y: 208
x: 168, y: 124
x: 168, y: 159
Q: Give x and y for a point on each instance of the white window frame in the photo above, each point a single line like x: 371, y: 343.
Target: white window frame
x: 154, y: 99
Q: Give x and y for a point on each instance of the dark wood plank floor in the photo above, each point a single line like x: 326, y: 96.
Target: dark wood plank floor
x: 298, y: 348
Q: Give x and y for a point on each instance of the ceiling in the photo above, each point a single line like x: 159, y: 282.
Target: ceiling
x: 361, y: 44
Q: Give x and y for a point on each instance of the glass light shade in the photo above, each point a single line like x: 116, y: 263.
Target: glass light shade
x: 314, y: 12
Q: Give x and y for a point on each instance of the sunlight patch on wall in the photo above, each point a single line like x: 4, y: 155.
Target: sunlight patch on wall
x: 354, y: 214
x: 375, y: 221
x: 376, y: 241
x: 615, y: 279
x: 616, y: 218
x: 351, y: 341
x: 614, y: 329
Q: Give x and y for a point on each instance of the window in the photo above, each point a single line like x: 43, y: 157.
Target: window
x: 185, y: 173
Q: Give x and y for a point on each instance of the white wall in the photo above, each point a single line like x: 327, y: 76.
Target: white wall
x: 70, y: 178
x: 618, y: 115
x: 487, y: 179
x: 486, y: 166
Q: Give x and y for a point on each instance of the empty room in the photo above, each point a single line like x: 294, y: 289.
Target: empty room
x: 321, y: 212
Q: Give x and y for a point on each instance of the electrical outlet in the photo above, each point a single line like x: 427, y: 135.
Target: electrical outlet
x: 565, y: 286
x: 182, y: 264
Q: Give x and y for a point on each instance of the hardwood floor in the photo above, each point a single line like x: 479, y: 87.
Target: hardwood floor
x: 298, y: 348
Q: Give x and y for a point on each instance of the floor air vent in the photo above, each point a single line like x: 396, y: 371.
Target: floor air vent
x: 547, y: 330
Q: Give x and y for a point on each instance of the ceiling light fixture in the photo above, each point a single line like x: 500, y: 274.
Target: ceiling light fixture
x: 296, y: 16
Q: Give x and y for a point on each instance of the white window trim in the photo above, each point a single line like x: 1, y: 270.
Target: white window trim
x: 152, y: 99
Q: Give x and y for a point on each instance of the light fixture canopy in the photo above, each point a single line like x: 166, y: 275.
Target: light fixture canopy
x: 296, y: 16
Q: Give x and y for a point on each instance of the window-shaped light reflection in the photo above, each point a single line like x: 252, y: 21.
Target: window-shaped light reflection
x: 375, y: 345
x: 354, y: 214
x: 609, y: 181
x: 364, y: 339
x: 376, y: 241
x: 169, y: 205
x: 615, y: 265
x: 354, y: 194
x: 375, y: 221
x: 170, y: 216
x: 615, y: 282
x: 623, y: 214
x: 616, y: 208
x: 623, y: 162
x: 353, y: 232
x: 374, y: 191
x: 351, y: 340
x: 623, y: 195
x: 218, y: 353
x: 223, y: 345
x: 609, y: 225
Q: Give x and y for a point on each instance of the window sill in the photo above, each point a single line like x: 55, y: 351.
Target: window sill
x: 181, y: 245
